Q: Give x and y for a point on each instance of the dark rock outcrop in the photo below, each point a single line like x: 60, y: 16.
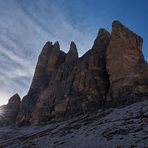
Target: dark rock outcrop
x: 9, y: 112
x: 126, y: 66
x: 64, y: 85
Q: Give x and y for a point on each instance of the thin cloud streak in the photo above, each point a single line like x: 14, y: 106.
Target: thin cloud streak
x: 24, y: 29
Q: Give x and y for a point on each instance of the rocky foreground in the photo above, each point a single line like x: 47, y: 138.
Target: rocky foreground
x: 123, y: 127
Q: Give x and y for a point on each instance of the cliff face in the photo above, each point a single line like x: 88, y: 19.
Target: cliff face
x: 126, y: 66
x: 112, y: 72
x: 64, y: 85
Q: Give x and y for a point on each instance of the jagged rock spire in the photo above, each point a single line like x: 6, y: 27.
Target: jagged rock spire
x: 120, y: 31
x: 102, y: 39
x: 72, y: 54
x: 46, y: 48
x: 14, y: 99
x: 56, y: 45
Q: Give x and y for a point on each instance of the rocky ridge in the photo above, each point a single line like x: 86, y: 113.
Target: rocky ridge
x: 113, y: 72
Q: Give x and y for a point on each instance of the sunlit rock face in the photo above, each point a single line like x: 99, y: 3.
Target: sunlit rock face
x: 64, y: 85
x: 9, y: 112
x: 127, y: 69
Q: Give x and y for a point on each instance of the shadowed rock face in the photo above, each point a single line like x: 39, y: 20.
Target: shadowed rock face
x: 125, y: 64
x: 64, y: 85
x: 9, y: 112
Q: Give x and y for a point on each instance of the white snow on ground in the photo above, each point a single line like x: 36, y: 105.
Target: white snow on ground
x: 124, y: 127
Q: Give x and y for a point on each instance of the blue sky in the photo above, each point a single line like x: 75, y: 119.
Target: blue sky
x: 25, y: 26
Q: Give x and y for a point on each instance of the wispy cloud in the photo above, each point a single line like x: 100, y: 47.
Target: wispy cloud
x: 25, y: 25
x: 24, y: 28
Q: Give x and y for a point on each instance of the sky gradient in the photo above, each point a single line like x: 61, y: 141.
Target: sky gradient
x: 25, y: 26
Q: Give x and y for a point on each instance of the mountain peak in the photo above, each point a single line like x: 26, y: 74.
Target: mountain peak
x: 119, y: 29
x: 72, y: 54
x: 117, y: 23
x: 102, y: 39
x: 15, y: 99
x: 73, y: 45
x: 46, y: 48
x: 56, y: 45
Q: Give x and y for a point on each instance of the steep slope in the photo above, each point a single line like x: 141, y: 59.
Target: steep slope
x: 121, y: 127
x: 64, y: 85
